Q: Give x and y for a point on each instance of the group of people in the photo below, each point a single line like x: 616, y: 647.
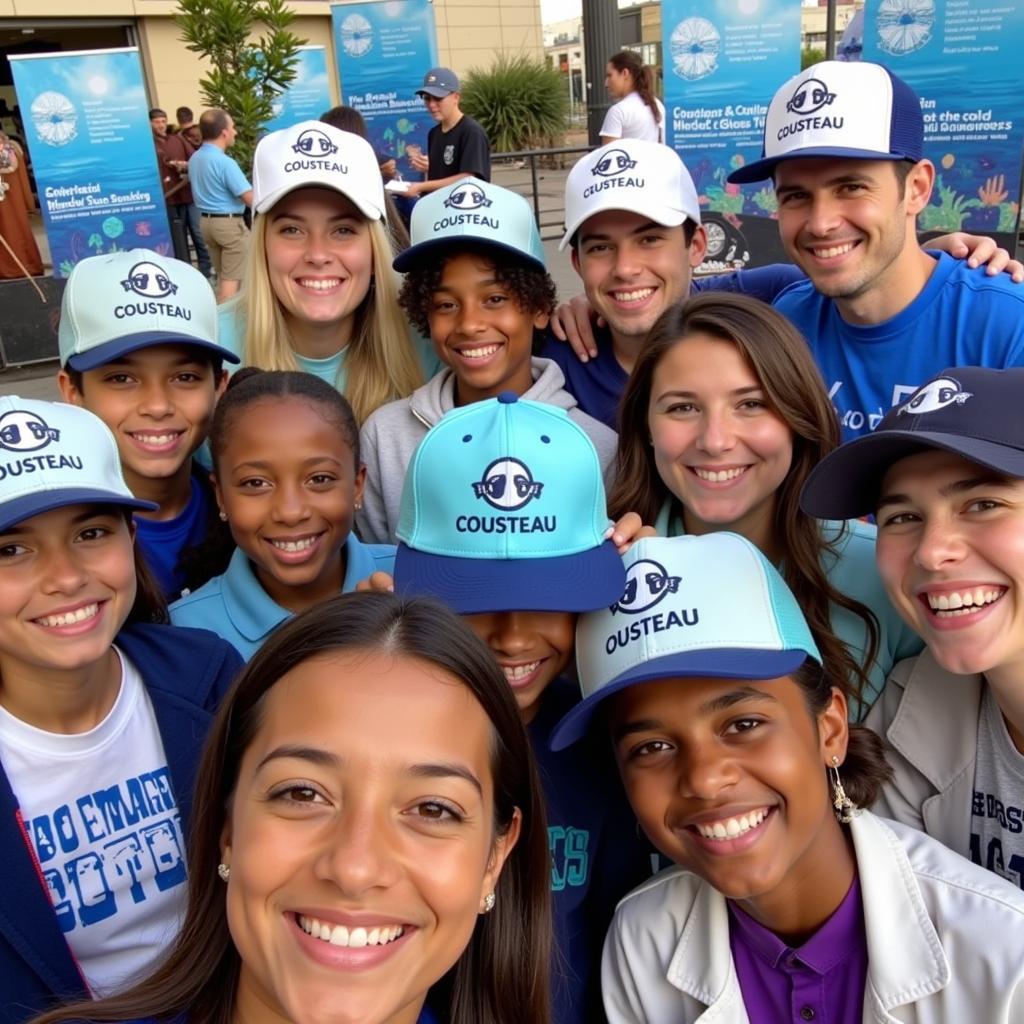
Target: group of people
x: 366, y: 649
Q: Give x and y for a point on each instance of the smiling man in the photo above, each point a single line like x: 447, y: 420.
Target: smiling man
x: 844, y: 146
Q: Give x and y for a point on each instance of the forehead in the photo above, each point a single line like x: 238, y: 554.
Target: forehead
x: 313, y: 201
x: 620, y: 223
x: 930, y: 470
x: 679, y: 699
x: 820, y: 170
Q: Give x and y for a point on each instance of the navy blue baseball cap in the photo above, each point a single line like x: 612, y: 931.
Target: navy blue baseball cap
x: 439, y: 82
x: 968, y: 410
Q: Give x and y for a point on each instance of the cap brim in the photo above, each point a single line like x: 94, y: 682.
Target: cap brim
x: 582, y: 582
x: 20, y: 509
x: 663, y: 215
x: 437, y: 93
x: 111, y: 350
x: 846, y: 483
x: 761, y: 170
x: 369, y: 210
x: 416, y: 254
x: 714, y: 663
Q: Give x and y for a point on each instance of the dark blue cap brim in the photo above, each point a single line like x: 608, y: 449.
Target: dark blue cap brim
x: 761, y: 170
x: 20, y: 509
x: 714, y: 663
x: 583, y: 582
x: 417, y: 254
x: 111, y: 350
x: 436, y: 91
x: 846, y: 483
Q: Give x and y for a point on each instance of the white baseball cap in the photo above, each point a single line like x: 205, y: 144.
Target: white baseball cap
x: 316, y: 154
x: 632, y: 175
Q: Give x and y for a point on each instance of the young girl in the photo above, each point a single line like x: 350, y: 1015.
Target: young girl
x: 944, y: 474
x: 319, y: 293
x: 722, y: 420
x: 103, y: 710
x: 369, y: 829
x: 737, y: 758
x: 288, y: 480
x: 477, y: 283
x: 636, y: 113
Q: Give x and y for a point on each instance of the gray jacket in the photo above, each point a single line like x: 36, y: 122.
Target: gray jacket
x: 390, y: 436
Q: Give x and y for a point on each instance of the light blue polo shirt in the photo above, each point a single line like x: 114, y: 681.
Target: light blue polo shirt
x: 236, y: 607
x: 217, y: 181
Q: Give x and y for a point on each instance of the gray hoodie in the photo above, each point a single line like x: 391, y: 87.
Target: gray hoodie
x: 390, y: 436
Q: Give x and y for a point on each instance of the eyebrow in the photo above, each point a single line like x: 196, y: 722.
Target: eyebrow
x: 951, y: 489
x: 315, y: 755
x: 648, y: 226
x: 736, y: 392
x: 446, y: 770
x: 91, y: 512
x: 722, y: 702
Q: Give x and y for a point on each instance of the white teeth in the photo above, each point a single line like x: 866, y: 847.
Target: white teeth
x: 637, y: 295
x: 70, y: 618
x: 355, y: 938
x: 479, y: 353
x: 962, y: 602
x: 294, y: 545
x: 156, y: 440
x: 515, y: 673
x: 319, y: 284
x: 834, y: 250
x: 719, y: 476
x: 730, y: 828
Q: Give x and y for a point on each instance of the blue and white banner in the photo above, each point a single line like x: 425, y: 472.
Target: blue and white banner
x: 308, y: 94
x: 87, y: 123
x: 384, y: 50
x: 723, y: 62
x: 963, y: 59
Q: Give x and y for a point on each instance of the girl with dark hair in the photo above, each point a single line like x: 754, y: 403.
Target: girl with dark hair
x: 369, y: 829
x: 288, y: 481
x: 737, y: 757
x: 722, y: 421
x: 103, y: 710
x: 638, y: 113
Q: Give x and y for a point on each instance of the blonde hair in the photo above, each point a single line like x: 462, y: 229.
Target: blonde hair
x: 381, y: 364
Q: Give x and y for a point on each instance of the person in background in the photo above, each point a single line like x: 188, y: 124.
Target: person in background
x: 637, y: 112
x: 187, y: 126
x: 178, y: 148
x: 15, y: 205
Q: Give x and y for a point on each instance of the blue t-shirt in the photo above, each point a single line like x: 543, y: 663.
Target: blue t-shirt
x: 598, y: 384
x: 163, y: 540
x: 597, y: 854
x: 962, y: 317
x: 216, y: 180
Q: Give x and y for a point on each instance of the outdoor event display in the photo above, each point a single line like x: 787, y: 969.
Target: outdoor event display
x: 307, y: 95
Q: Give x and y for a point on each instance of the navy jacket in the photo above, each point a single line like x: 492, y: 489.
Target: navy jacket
x: 186, y: 673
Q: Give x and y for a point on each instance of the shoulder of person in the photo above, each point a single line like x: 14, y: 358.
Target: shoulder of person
x: 797, y: 294
x: 994, y: 287
x: 187, y: 610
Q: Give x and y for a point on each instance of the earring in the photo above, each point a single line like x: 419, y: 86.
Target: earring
x: 223, y: 516
x: 846, y: 809
x: 359, y: 506
x: 489, y: 900
x: 224, y: 871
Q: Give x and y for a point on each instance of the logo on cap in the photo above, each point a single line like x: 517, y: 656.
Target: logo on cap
x: 647, y: 582
x: 22, y: 431
x: 507, y: 485
x: 314, y: 143
x: 811, y: 94
x: 149, y: 280
x: 615, y: 161
x: 467, y: 197
x: 935, y: 395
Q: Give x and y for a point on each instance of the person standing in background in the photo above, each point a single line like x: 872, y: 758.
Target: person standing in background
x: 19, y: 254
x: 638, y: 113
x: 179, y: 148
x: 187, y: 126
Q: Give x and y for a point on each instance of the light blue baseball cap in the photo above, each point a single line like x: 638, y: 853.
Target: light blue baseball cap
x: 692, y: 606
x: 52, y: 455
x: 476, y: 212
x: 503, y: 509
x: 120, y: 302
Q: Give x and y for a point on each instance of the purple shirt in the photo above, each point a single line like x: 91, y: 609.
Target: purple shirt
x: 822, y: 980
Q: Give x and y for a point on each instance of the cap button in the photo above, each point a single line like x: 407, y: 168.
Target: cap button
x: 508, y: 397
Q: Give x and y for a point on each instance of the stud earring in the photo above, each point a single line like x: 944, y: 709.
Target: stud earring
x: 489, y: 900
x: 224, y: 871
x: 846, y: 809
x: 223, y: 516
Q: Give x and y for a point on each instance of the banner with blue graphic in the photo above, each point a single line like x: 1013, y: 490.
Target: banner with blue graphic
x: 308, y: 94
x: 723, y: 62
x: 384, y: 50
x: 962, y: 58
x: 87, y: 124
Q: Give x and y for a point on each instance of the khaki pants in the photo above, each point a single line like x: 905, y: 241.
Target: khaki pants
x: 227, y: 239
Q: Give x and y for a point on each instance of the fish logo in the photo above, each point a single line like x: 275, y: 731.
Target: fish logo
x: 313, y: 142
x: 23, y: 431
x: 507, y: 485
x: 149, y: 280
x: 613, y: 162
x: 647, y: 583
x: 935, y: 395
x: 811, y: 94
x: 467, y: 196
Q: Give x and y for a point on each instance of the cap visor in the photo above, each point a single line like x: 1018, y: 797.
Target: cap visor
x: 417, y: 254
x: 846, y: 483
x: 760, y: 170
x: 663, y: 215
x: 433, y: 90
x: 20, y: 509
x: 582, y: 582
x: 369, y: 210
x: 111, y: 350
x: 714, y: 663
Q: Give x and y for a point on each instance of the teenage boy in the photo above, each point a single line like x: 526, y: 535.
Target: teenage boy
x: 137, y: 348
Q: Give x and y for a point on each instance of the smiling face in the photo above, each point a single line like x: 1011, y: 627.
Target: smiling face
x: 718, y: 445
x: 480, y: 330
x: 319, y: 261
x: 633, y: 269
x: 361, y: 840
x: 951, y: 554
x: 288, y: 482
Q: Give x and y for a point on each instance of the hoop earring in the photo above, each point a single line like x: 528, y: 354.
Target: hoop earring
x: 846, y: 810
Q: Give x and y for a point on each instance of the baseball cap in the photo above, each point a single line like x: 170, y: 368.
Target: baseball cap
x: 472, y: 211
x: 123, y: 301
x: 503, y: 509
x: 439, y: 82
x: 315, y: 154
x: 852, y: 109
x: 53, y: 455
x: 634, y: 175
x: 692, y: 606
x: 967, y: 410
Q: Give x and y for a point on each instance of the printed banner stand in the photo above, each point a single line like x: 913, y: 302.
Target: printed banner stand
x: 87, y: 122
x: 308, y: 94
x: 723, y: 63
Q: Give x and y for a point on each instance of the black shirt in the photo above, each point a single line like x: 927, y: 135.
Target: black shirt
x: 462, y: 150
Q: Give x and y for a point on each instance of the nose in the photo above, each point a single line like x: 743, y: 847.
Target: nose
x: 509, y: 634
x: 290, y: 506
x: 357, y: 853
x: 61, y: 571
x: 717, y: 434
x: 939, y: 545
x: 627, y: 261
x: 317, y: 251
x: 823, y: 215
x: 156, y: 401
x: 706, y: 771
x: 470, y: 319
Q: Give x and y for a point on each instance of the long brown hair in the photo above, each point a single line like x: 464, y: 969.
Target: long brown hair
x: 502, y: 976
x: 643, y: 78
x: 780, y: 359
